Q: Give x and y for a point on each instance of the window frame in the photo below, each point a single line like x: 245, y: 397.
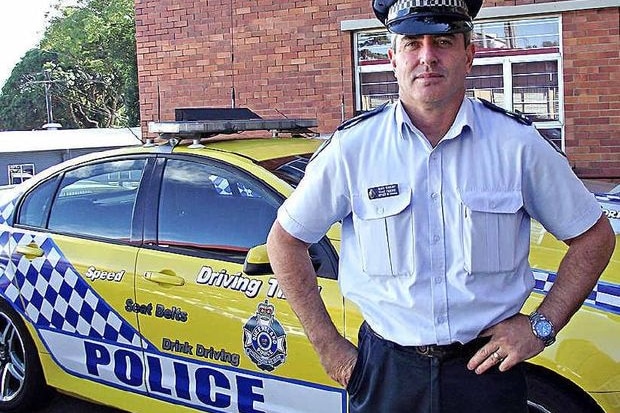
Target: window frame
x: 226, y: 172
x: 151, y: 227
x: 56, y: 180
x: 322, y: 252
x: 506, y: 61
x: 21, y: 167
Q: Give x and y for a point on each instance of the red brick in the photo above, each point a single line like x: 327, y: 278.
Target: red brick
x: 293, y: 55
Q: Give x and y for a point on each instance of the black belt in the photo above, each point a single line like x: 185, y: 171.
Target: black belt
x: 441, y: 352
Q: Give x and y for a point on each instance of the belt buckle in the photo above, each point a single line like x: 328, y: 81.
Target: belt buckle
x: 429, y: 351
x: 433, y: 351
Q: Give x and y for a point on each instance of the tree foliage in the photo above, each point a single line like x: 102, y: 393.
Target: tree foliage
x: 87, y: 59
x: 22, y: 101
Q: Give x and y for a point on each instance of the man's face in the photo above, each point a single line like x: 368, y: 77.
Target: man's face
x: 431, y: 69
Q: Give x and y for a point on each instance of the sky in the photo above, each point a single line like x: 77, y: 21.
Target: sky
x: 22, y: 25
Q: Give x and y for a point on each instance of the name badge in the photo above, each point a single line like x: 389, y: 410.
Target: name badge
x: 383, y: 191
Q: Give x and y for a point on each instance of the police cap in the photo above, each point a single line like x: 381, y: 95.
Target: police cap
x: 419, y: 17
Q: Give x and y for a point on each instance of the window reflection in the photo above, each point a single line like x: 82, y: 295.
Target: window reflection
x: 516, y: 67
x: 520, y: 36
x: 372, y: 47
x: 535, y: 90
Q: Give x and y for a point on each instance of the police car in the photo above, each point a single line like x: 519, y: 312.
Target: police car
x: 138, y: 278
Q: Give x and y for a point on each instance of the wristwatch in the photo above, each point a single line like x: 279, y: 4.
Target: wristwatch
x: 542, y: 328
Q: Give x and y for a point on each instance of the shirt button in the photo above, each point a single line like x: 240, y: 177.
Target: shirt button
x: 441, y: 319
x: 438, y: 280
x: 380, y: 210
x: 434, y: 195
x: 436, y: 239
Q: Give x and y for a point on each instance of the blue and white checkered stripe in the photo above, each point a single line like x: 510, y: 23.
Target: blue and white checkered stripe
x: 408, y: 4
x: 55, y: 296
x: 5, y: 211
x: 604, y: 296
x: 608, y: 198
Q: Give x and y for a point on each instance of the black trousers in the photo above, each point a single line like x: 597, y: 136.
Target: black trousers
x: 389, y: 378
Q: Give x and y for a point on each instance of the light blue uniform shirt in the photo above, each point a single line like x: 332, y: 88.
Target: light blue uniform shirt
x: 435, y: 241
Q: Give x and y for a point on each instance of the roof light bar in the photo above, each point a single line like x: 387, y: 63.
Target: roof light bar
x: 208, y: 128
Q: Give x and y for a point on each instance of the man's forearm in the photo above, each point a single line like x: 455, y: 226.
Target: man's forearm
x: 581, y: 267
x: 293, y: 269
x: 295, y: 274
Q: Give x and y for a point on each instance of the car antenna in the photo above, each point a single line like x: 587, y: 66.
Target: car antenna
x: 232, y: 57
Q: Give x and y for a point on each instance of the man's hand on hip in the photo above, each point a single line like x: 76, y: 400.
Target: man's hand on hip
x: 512, y: 342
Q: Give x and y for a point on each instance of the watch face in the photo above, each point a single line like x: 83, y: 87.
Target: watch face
x: 543, y: 328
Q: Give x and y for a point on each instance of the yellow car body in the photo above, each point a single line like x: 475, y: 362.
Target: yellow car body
x: 144, y: 326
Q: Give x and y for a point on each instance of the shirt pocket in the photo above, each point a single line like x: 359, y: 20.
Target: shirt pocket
x: 384, y: 230
x: 490, y: 223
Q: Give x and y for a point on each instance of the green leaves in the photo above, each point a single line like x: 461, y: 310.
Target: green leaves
x: 89, y: 54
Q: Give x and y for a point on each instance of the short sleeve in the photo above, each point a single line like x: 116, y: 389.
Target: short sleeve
x: 553, y: 194
x: 320, y: 199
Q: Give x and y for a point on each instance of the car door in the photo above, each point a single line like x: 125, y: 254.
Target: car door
x: 74, y: 260
x: 219, y: 338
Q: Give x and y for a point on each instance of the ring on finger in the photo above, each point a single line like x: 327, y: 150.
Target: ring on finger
x: 497, y: 357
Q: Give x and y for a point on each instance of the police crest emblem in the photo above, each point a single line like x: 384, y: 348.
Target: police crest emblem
x: 264, y: 339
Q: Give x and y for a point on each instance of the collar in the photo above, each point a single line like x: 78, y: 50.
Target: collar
x: 464, y: 118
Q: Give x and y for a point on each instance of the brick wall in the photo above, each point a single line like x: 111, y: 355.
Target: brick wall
x: 287, y: 59
x: 291, y: 59
x: 592, y: 91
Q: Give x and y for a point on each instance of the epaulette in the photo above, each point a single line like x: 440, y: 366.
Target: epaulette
x: 347, y: 124
x: 519, y: 117
x: 365, y: 115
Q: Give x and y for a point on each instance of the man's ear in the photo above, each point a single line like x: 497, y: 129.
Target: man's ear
x: 470, y: 52
x: 391, y: 54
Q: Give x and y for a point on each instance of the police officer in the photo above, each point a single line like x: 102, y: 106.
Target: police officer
x: 435, y: 194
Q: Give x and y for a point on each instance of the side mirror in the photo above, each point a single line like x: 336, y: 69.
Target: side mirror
x: 257, y: 261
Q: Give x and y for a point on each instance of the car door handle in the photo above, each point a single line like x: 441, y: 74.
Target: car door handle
x: 162, y: 278
x: 29, y: 251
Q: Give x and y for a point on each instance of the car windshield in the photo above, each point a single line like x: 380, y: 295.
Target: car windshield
x: 290, y: 169
x: 602, y: 187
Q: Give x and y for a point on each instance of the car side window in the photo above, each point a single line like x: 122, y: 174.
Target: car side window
x: 33, y: 210
x: 210, y: 207
x: 98, y: 199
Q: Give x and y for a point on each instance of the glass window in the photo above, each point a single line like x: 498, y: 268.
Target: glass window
x: 207, y: 207
x: 535, y: 90
x: 510, y: 37
x: 34, y: 208
x: 20, y: 173
x: 290, y: 169
x: 372, y: 47
x: 375, y: 80
x: 98, y: 199
x: 517, y: 67
x: 378, y: 88
x: 486, y: 82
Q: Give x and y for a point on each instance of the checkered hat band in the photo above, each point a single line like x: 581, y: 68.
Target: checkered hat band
x: 401, y: 5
